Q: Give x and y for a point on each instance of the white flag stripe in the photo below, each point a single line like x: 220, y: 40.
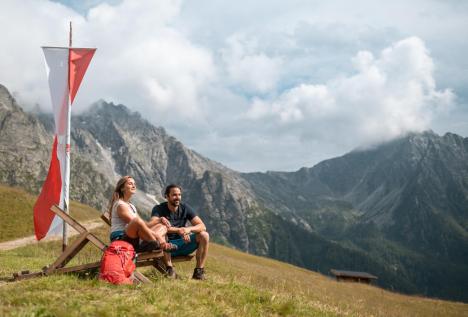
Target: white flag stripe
x: 57, y: 72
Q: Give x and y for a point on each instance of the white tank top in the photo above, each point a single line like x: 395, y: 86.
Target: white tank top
x: 117, y: 224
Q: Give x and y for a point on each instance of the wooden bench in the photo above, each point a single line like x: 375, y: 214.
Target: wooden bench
x: 154, y: 258
x: 145, y: 257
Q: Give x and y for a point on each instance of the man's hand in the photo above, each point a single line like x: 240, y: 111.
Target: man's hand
x: 165, y: 222
x: 184, y: 232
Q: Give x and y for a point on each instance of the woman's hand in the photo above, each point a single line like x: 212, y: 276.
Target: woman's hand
x: 165, y: 222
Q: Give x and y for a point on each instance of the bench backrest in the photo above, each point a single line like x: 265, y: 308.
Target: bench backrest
x: 105, y: 216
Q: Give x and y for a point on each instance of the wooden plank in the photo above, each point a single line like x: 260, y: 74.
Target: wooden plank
x: 78, y: 227
x: 68, y: 219
x: 142, y: 257
x: 149, y: 258
x: 140, y: 277
x: 78, y: 268
x: 106, y: 218
x: 97, y: 242
x: 160, y: 266
x: 182, y: 258
x: 149, y: 255
x: 146, y: 263
x: 69, y: 252
x: 19, y: 276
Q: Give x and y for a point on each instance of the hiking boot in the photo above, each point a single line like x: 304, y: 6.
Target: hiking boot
x: 148, y: 246
x: 170, y: 272
x: 198, y: 274
x: 169, y: 247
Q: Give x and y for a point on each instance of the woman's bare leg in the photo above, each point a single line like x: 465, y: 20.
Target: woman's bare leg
x: 137, y: 228
x: 159, y: 231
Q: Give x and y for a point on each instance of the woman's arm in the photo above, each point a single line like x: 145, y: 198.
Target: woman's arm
x: 125, y: 213
x: 157, y: 220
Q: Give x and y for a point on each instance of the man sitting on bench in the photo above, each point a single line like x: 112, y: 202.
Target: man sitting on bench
x: 175, y: 215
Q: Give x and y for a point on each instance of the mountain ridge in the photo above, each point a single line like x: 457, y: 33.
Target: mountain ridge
x: 356, y: 211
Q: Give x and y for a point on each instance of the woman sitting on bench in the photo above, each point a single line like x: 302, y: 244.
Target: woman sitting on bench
x: 128, y: 226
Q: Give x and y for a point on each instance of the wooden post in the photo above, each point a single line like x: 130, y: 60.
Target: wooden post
x: 70, y: 37
x: 66, y: 206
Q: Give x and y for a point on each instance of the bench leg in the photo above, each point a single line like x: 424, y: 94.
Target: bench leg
x: 160, y: 266
x: 68, y: 253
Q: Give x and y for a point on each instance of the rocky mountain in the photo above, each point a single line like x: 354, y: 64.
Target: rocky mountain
x: 398, y: 210
x: 404, y: 202
x: 26, y: 151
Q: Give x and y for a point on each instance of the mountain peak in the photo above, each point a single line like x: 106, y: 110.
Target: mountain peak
x: 7, y: 102
x: 101, y: 107
x: 121, y: 115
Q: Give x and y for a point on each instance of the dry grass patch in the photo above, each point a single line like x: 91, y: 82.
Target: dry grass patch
x: 16, y: 210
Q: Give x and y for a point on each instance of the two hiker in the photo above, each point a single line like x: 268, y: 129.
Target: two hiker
x: 169, y: 218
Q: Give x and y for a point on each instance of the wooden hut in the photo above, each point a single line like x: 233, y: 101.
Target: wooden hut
x: 351, y: 276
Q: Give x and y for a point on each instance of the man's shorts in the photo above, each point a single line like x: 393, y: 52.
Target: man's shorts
x: 184, y: 248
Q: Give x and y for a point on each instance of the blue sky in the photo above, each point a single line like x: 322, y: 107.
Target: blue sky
x: 257, y: 85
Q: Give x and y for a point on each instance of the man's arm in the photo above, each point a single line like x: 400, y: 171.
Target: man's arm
x: 157, y: 219
x: 197, y: 226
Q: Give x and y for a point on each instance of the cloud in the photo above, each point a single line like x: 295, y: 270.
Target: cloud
x: 141, y: 60
x: 151, y: 65
x: 387, y: 96
x: 21, y: 60
x: 278, y: 90
x: 248, y: 68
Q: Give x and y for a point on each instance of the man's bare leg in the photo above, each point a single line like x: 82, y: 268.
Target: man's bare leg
x: 203, y: 240
x: 167, y: 259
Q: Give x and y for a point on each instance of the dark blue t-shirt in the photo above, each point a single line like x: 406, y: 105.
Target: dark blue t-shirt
x: 177, y: 219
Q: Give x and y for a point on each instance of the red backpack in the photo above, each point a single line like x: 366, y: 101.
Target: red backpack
x: 117, y: 263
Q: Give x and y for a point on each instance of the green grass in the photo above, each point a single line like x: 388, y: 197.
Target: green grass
x: 222, y: 294
x: 238, y: 284
x: 16, y: 210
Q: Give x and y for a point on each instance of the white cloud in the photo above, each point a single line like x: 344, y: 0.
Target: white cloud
x: 248, y: 68
x: 141, y: 61
x: 296, y: 105
x: 278, y: 90
x: 152, y: 65
x: 388, y: 96
x: 22, y: 67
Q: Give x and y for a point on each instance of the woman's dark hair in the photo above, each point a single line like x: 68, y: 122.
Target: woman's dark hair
x: 169, y: 187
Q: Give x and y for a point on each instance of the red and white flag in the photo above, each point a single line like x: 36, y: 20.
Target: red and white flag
x: 65, y: 69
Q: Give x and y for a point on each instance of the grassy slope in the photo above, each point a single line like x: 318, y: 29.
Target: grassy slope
x: 237, y: 284
x: 16, y: 211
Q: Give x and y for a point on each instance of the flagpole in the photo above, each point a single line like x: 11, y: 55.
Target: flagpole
x: 66, y: 190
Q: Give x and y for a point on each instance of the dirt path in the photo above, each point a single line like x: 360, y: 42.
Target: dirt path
x: 13, y: 244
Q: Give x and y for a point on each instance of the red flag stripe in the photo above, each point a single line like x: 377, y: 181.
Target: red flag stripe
x: 50, y: 195
x: 79, y: 59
